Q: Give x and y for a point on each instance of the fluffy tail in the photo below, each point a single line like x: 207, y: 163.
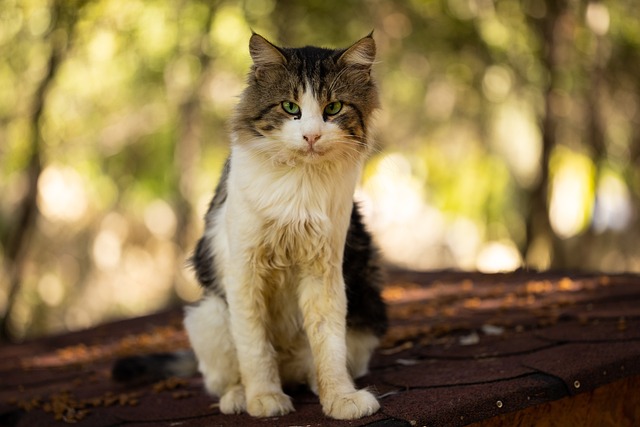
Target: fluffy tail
x: 154, y: 367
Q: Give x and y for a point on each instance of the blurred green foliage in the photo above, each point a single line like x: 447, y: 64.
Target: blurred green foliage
x: 508, y: 137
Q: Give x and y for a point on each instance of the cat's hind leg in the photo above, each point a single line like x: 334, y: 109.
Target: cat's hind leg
x: 207, y: 325
x: 360, y: 347
x: 296, y: 366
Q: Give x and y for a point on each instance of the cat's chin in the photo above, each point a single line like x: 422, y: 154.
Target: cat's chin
x: 311, y: 156
x: 306, y: 156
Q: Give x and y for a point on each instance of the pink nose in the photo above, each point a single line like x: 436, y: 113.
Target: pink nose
x: 311, y: 139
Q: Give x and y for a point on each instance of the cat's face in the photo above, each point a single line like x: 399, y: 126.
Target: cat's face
x: 309, y: 104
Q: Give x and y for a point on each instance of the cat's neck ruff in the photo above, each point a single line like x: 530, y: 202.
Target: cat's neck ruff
x: 285, y: 192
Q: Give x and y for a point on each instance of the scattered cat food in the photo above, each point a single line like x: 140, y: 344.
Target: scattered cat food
x: 622, y: 324
x: 28, y: 404
x: 66, y: 407
x: 169, y: 384
x: 181, y: 394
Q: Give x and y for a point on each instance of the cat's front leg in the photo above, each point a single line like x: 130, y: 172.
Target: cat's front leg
x: 256, y: 356
x: 323, y: 304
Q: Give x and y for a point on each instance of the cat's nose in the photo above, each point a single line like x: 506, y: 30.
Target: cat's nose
x: 311, y: 138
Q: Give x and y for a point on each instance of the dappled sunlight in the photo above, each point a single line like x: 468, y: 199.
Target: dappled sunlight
x: 51, y: 290
x: 160, y: 219
x: 497, y: 83
x: 440, y: 100
x: 518, y: 140
x: 571, y: 194
x: 598, y: 18
x: 62, y: 194
x: 495, y: 257
x: 107, y: 250
x: 222, y: 90
x: 613, y: 205
x: 397, y: 212
x: 230, y: 30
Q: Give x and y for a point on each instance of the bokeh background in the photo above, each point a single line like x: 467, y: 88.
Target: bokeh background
x: 509, y: 137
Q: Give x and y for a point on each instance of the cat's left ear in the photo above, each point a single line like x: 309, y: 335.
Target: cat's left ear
x: 361, y: 54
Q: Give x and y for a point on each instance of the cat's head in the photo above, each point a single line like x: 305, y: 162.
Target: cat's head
x: 307, y: 104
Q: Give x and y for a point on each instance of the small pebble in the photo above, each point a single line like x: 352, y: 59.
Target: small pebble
x: 492, y: 330
x: 471, y: 339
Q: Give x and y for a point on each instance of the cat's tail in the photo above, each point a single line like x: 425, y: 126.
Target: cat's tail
x: 154, y: 367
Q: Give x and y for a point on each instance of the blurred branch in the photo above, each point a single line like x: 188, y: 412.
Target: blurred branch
x: 59, y: 36
x: 188, y: 145
x: 190, y: 130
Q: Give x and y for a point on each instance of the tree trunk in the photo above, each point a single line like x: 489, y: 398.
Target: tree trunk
x: 539, y: 233
x: 63, y: 18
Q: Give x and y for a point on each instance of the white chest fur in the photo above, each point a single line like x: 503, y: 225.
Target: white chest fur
x: 288, y: 215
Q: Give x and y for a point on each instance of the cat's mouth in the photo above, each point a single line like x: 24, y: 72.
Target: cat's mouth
x: 312, y: 153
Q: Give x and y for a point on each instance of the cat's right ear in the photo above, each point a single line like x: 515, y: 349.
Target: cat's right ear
x: 264, y: 54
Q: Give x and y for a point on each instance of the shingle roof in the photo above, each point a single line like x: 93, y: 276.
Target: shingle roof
x: 461, y: 348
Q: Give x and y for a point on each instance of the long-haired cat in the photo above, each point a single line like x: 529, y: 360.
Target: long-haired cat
x: 292, y: 286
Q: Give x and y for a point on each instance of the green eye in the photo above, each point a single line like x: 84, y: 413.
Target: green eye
x: 333, y: 108
x: 291, y: 107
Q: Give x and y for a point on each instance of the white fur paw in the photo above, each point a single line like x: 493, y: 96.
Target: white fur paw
x: 269, y: 405
x: 233, y: 401
x: 351, y: 406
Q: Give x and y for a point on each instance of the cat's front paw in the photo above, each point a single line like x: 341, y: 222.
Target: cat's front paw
x: 351, y: 406
x: 233, y: 401
x: 269, y: 405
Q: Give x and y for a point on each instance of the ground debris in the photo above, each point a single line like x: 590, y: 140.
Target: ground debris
x: 65, y: 406
x: 171, y: 383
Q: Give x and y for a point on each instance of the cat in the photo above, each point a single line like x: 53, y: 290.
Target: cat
x: 291, y: 276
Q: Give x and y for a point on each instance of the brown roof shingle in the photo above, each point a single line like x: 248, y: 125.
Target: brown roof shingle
x: 462, y: 348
